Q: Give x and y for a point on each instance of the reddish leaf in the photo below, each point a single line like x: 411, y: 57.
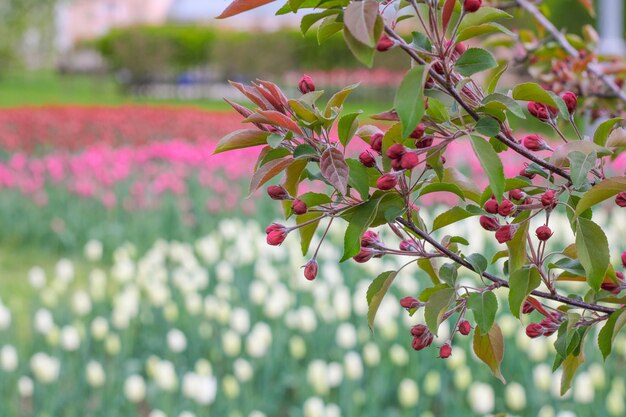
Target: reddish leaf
x: 268, y: 171
x: 238, y: 139
x: 588, y: 4
x: 389, y: 115
x: 446, y: 14
x: 335, y: 169
x: 240, y: 6
x: 281, y: 120
x: 252, y: 95
x: 276, y: 91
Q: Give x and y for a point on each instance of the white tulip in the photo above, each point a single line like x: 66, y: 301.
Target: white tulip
x: 5, y: 317
x: 157, y: 413
x: 583, y: 388
x: 99, y: 328
x: 398, y: 354
x: 95, y: 374
x: 615, y: 403
x: 515, y: 396
x: 313, y: 407
x: 135, y: 388
x: 542, y: 376
x: 371, y: 354
x: 345, y: 336
x: 25, y: 387
x: 64, y: 271
x: 70, y: 339
x: 243, y: 370
x: 8, y: 358
x: 176, y: 341
x: 231, y: 343
x: 45, y: 368
x: 462, y: 377
x: 481, y: 398
x: 353, y: 366
x: 297, y: 347
x: 432, y: 383
x: 408, y: 393
x: 37, y: 277
x: 93, y: 250
x: 164, y: 375
x: 332, y: 410
x: 230, y: 386
x: 112, y: 344
x: 81, y: 303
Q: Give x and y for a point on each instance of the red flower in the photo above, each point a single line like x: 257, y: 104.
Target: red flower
x: 534, y: 143
x: 276, y: 234
x: 465, y: 327
x: 547, y: 199
x: 541, y: 111
x: 396, y: 151
x: 491, y: 206
x: 409, y: 303
x: 299, y: 207
x: 277, y: 192
x: 367, y: 159
x: 376, y: 141
x: 418, y: 132
x: 506, y: 208
x: 409, y: 160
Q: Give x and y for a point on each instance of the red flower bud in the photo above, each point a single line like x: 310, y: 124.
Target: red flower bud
x: 424, y: 142
x: 624, y: 259
x: 541, y: 111
x: 424, y: 339
x: 438, y: 67
x: 534, y: 143
x: 299, y: 206
x: 306, y: 84
x: 445, y: 351
x: 408, y: 245
x: 310, y: 270
x: 274, y: 226
x: 610, y: 287
x: 409, y: 303
x: 534, y: 330
x: 620, y: 200
x: 571, y: 101
x: 277, y: 192
x: 547, y: 199
x: 395, y: 151
x: 465, y: 327
x: 470, y: 6
x: 386, y: 182
x: 506, y: 232
x: 409, y: 160
x: 376, y: 141
x: 419, y: 330
x: 527, y: 307
x: 619, y: 275
x: 526, y: 174
x: 491, y: 206
x: 364, y: 255
x: 367, y: 159
x: 489, y: 223
x: 418, y: 132
x: 276, y: 235
x: 370, y: 238
x: 385, y: 43
x: 517, y: 194
x: 543, y: 233
x: 396, y: 164
x: 460, y: 48
x: 506, y: 208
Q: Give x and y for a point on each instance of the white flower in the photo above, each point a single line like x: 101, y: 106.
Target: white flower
x: 37, y: 277
x: 231, y: 343
x: 313, y: 407
x: 408, y: 393
x: 432, y: 383
x: 97, y: 284
x: 8, y: 358
x: 64, y: 271
x: 201, y: 389
x: 371, y: 354
x: 93, y: 250
x: 615, y: 403
x: 334, y: 374
x: 164, y: 375
x: 583, y: 388
x: 25, y: 386
x: 95, y: 374
x: 203, y: 367
x: 598, y: 376
x: 257, y: 292
x: 566, y: 414
x: 306, y: 320
x: 99, y: 328
x: 481, y: 398
x: 243, y: 370
x: 231, y: 386
x: 346, y: 336
x: 259, y: 340
x: 176, y: 341
x: 398, y: 354
x: 342, y: 303
x: 457, y: 360
x: 45, y: 368
x: 135, y: 388
x: 515, y: 396
x: 332, y: 410
x: 157, y: 413
x: 317, y: 376
x: 81, y: 303
x: 5, y: 317
x: 257, y: 413
x: 186, y: 414
x: 353, y: 365
x: 112, y: 344
x: 462, y: 377
x: 546, y: 411
x: 297, y: 347
x: 70, y: 339
x: 542, y: 376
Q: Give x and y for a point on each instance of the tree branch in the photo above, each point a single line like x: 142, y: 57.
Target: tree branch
x: 562, y: 40
x: 453, y: 93
x: 497, y: 280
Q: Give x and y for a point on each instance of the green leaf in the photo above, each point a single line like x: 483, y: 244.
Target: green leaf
x: 310, y: 19
x: 436, y: 307
x: 478, y: 262
x: 451, y: 216
x: 491, y: 163
x: 358, y: 222
x: 307, y: 232
x: 490, y: 349
x: 533, y: 92
x: 239, y: 139
x: 454, y: 176
x: 612, y: 327
x: 487, y: 126
x: 506, y: 103
x: 347, y: 126
x: 442, y: 187
x: 483, y: 15
x: 448, y: 273
x: 376, y: 292
x: 580, y: 166
x: 328, y: 28
x: 484, y: 306
x: 362, y: 52
x: 570, y: 366
x: 602, y: 132
x: 517, y: 245
x: 600, y: 192
x: 358, y: 178
x: 521, y: 283
x: 360, y: 19
x: 274, y: 140
x: 495, y: 77
x: 409, y: 100
x: 426, y: 265
x: 592, y: 248
x: 437, y: 110
x: 293, y: 176
x: 474, y: 60
x: 560, y: 155
x: 304, y: 151
x: 479, y: 30
x: 338, y: 99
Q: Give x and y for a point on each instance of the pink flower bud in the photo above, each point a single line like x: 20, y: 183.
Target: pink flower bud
x: 506, y: 232
x: 371, y: 239
x: 547, y: 199
x: 299, y: 206
x: 387, y: 182
x: 396, y: 151
x: 274, y: 226
x: 376, y: 141
x: 419, y: 330
x: 364, y: 255
x: 489, y: 223
x: 541, y: 111
x: 408, y: 245
x: 409, y: 160
x: 409, y: 303
x: 277, y: 192
x: 385, y: 43
x: 276, y: 234
x: 534, y: 143
x: 543, y: 233
x: 620, y: 200
x: 425, y: 142
x: 517, y: 194
x: 460, y: 48
x: 526, y: 174
x: 470, y: 6
x: 396, y: 164
x: 624, y: 259
x: 445, y: 350
x: 306, y: 84
x: 310, y: 270
x: 571, y: 101
x: 527, y: 307
x: 491, y: 206
x: 534, y: 330
x: 611, y: 287
x: 418, y: 132
x: 367, y: 159
x: 465, y: 327
x: 506, y: 208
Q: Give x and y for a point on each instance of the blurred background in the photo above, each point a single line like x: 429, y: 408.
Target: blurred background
x: 134, y: 275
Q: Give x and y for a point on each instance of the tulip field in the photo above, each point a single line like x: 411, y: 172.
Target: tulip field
x: 135, y: 281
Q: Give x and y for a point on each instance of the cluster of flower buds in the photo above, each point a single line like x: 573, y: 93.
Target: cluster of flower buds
x: 505, y: 232
x: 422, y: 337
x: 542, y: 112
x: 548, y: 200
x: 276, y: 234
x: 370, y: 242
x: 401, y: 158
x: 547, y: 326
x: 615, y: 287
